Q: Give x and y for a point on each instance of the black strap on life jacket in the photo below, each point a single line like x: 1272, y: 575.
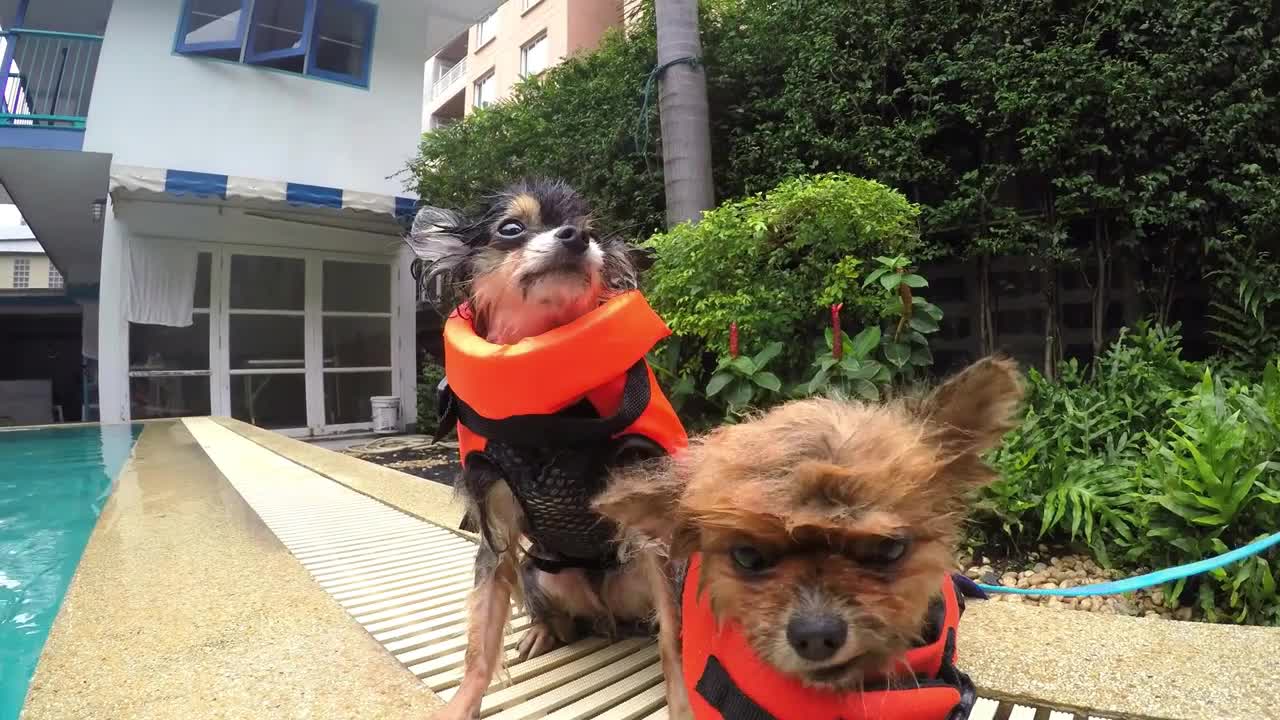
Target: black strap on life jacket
x: 577, y: 428
x: 548, y: 430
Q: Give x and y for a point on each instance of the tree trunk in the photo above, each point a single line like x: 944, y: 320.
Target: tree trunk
x: 1049, y: 286
x: 1102, y: 283
x: 986, y: 328
x: 686, y: 121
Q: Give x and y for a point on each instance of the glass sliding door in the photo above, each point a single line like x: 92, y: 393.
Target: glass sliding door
x: 266, y: 340
x: 169, y: 368
x: 355, y: 334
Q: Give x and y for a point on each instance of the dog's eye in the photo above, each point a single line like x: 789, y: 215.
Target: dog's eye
x: 883, y: 551
x: 510, y: 228
x: 750, y: 559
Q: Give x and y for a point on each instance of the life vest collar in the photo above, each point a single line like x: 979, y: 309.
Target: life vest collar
x: 726, y: 679
x: 545, y: 373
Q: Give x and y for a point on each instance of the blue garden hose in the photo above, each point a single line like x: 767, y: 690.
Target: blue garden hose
x: 1159, y: 577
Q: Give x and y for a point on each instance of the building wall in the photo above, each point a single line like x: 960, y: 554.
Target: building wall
x: 39, y: 271
x: 588, y: 22
x: 155, y: 108
x: 572, y: 26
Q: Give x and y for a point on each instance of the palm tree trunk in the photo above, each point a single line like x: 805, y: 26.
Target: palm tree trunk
x: 682, y: 104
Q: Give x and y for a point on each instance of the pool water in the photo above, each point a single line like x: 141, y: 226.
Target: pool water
x: 53, y: 485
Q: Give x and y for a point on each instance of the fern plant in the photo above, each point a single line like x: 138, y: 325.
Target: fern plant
x: 1244, y: 308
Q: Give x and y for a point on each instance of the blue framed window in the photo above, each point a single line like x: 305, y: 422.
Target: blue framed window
x: 327, y: 39
x: 213, y: 27
x: 279, y: 33
x: 342, y: 41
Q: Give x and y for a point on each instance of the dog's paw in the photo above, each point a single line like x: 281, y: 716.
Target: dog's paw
x: 537, y: 640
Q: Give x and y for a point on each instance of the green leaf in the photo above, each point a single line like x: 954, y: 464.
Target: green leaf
x: 891, y: 281
x: 718, y: 381
x: 927, y: 308
x: 770, y: 352
x: 825, y: 362
x: 914, y: 281
x: 865, y: 342
x: 744, y: 365
x: 923, y: 323
x: 855, y: 370
x: 741, y: 394
x: 874, y: 276
x: 897, y: 353
x: 767, y: 380
x: 865, y: 390
x: 921, y: 357
x: 818, y: 383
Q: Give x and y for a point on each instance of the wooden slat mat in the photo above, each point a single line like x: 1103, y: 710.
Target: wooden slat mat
x: 406, y: 580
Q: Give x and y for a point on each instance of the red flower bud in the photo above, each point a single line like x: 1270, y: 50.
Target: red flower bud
x: 733, y: 339
x: 837, y: 336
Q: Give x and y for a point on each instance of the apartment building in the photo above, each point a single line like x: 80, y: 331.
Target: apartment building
x: 519, y: 39
x: 23, y: 262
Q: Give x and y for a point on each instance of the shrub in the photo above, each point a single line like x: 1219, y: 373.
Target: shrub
x: 1148, y: 460
x: 773, y: 263
x: 428, y: 380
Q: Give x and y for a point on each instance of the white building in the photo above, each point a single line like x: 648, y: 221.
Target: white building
x: 220, y: 184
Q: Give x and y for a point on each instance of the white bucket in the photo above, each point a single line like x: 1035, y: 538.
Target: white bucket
x: 386, y: 414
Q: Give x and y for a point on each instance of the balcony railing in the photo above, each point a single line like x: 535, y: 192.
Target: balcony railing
x: 446, y: 81
x: 48, y: 77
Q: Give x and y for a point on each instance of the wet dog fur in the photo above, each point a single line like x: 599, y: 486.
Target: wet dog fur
x: 531, y: 261
x: 829, y: 512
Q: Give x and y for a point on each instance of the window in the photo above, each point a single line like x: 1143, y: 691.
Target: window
x: 533, y: 56
x: 169, y: 371
x: 340, y: 48
x: 55, y: 277
x: 356, y: 337
x: 213, y: 27
x: 486, y: 29
x: 278, y: 32
x: 485, y: 88
x: 328, y: 39
x: 22, y: 272
x: 526, y: 4
x: 266, y: 340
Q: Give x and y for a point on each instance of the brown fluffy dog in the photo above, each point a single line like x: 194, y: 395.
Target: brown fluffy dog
x: 841, y: 513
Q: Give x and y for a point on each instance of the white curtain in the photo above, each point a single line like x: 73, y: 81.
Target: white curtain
x: 162, y: 281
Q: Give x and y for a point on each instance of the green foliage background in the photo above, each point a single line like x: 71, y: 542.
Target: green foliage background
x: 1069, y: 131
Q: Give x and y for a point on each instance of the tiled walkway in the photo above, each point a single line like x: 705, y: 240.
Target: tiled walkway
x: 406, y: 581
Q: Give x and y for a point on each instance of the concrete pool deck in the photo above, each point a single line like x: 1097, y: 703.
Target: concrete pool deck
x: 187, y: 605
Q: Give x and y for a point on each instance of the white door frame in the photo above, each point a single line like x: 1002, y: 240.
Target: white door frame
x: 220, y: 372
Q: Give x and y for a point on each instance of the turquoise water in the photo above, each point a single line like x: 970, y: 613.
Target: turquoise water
x: 53, y: 484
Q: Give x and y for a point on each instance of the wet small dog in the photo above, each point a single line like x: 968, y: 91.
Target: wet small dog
x: 531, y: 263
x: 823, y: 527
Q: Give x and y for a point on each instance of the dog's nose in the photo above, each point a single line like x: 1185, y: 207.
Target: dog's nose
x: 817, y: 637
x: 572, y: 239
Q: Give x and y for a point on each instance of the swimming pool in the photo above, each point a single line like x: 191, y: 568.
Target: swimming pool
x: 53, y: 485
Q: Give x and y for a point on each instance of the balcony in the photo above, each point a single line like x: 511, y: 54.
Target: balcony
x: 47, y: 81
x: 448, y: 79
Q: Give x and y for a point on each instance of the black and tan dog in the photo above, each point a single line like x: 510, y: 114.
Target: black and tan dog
x: 547, y: 383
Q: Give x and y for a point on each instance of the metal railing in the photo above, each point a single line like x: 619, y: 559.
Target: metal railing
x: 451, y: 76
x: 48, y: 77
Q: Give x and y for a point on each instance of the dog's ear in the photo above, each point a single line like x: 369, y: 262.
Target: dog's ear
x: 644, y: 499
x: 973, y: 410
x: 436, y: 238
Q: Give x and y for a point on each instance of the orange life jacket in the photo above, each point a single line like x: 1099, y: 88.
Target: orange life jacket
x: 588, y: 358
x: 552, y: 412
x: 725, y: 679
